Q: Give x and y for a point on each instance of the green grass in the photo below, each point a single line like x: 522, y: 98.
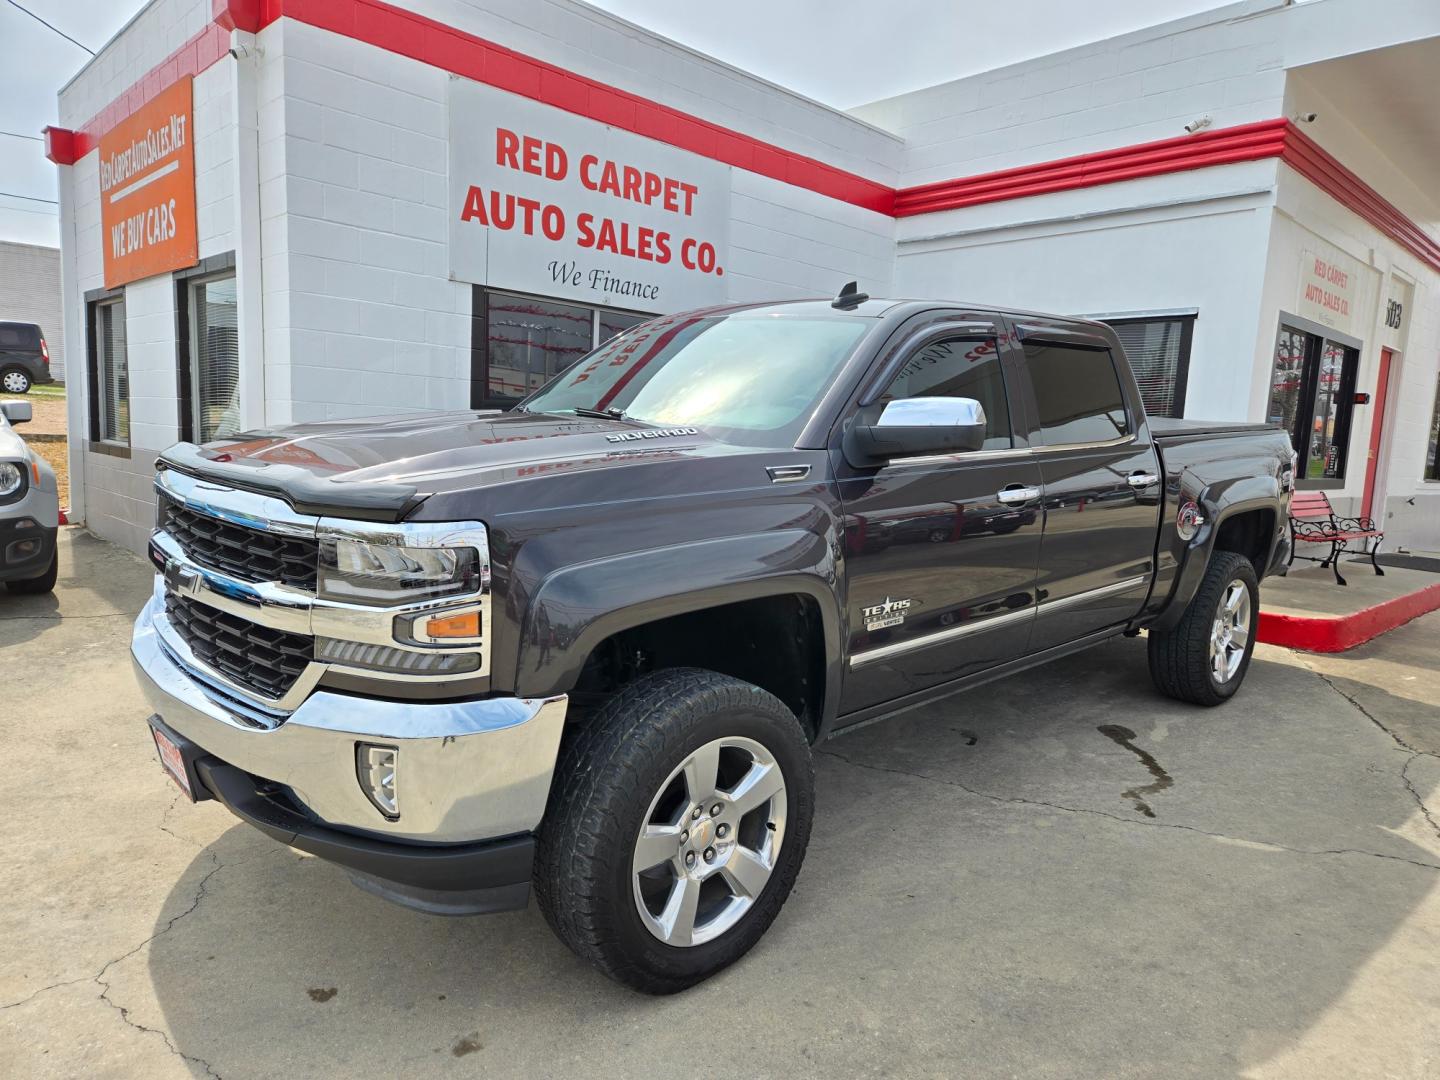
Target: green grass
x: 50, y: 391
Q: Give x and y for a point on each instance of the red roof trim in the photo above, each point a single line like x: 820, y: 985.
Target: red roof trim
x: 1310, y: 160
x: 1248, y: 142
x: 445, y: 47
x: 191, y: 58
x: 434, y: 43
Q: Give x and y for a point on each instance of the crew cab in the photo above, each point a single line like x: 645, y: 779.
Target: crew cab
x: 587, y: 644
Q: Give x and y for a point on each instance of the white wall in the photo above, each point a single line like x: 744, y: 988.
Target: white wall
x: 160, y: 28
x: 1135, y: 88
x: 353, y: 202
x: 1184, y: 241
x: 112, y: 493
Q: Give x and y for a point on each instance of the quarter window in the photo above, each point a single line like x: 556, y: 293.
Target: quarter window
x: 109, y: 372
x: 1077, y: 394
x: 1312, y: 393
x: 959, y: 368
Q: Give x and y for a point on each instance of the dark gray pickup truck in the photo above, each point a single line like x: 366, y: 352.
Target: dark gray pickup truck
x: 587, y: 644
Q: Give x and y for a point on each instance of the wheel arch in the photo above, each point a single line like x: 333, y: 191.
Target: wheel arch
x: 765, y: 585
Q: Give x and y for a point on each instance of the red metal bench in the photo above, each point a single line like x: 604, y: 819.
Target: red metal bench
x: 1313, y: 521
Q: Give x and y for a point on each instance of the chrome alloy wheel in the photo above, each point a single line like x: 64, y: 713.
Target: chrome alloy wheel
x: 1231, y: 632
x: 709, y: 842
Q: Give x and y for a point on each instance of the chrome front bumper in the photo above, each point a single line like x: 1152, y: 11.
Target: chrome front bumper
x: 466, y: 771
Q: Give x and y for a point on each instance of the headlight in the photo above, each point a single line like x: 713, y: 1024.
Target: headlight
x: 11, y: 477
x: 382, y: 574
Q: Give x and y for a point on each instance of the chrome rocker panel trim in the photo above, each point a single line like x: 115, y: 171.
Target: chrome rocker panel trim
x: 470, y: 770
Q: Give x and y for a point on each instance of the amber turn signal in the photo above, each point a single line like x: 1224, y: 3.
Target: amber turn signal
x: 466, y: 625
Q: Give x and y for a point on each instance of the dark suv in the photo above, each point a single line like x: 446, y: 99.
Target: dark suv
x: 24, y: 357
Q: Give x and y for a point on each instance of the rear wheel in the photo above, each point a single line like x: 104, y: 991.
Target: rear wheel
x: 15, y: 381
x: 677, y: 824
x: 1204, y: 658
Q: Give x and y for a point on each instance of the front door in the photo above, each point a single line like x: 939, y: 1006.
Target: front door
x: 940, y: 551
x: 1102, y: 489
x: 1377, y: 427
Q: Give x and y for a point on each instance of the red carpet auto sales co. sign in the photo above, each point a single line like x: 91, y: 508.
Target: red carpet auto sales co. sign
x: 543, y: 201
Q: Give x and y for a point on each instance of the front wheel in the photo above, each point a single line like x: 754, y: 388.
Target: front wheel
x: 678, y: 820
x: 1204, y: 658
x: 36, y: 586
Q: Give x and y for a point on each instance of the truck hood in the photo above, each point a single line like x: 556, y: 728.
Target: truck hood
x: 381, y: 469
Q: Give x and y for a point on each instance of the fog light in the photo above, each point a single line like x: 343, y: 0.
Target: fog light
x: 359, y: 654
x: 376, y: 766
x: 22, y: 550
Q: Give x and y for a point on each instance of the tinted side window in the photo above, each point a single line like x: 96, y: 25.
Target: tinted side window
x: 1078, y: 394
x: 13, y: 336
x: 959, y: 369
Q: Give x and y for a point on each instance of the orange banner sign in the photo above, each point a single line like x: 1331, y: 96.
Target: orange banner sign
x: 147, y: 189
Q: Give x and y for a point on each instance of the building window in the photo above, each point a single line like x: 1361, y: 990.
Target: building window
x: 211, y: 374
x: 1159, y: 353
x: 109, y: 373
x: 1077, y: 394
x: 519, y: 343
x: 1312, y: 394
x: 1432, y: 454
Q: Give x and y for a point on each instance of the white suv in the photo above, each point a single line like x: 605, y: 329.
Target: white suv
x: 29, y: 509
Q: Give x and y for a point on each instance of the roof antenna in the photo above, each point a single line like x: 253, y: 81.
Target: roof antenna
x: 850, y: 297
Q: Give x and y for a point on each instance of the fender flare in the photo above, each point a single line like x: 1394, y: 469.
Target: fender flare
x: 578, y: 606
x: 1218, y: 509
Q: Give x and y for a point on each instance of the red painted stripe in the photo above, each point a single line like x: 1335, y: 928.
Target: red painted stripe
x: 191, y: 58
x: 431, y: 42
x: 1310, y: 160
x: 1248, y: 142
x: 1325, y: 634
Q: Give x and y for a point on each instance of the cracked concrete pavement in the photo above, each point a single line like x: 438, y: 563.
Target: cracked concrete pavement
x: 982, y: 896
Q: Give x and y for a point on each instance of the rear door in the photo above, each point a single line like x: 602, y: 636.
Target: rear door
x: 1101, y: 480
x: 939, y: 564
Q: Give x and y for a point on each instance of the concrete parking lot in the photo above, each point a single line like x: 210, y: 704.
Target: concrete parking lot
x: 1059, y: 875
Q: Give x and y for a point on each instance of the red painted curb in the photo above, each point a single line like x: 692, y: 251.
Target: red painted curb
x: 1319, y: 633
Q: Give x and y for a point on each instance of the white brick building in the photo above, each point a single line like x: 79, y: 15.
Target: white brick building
x: 348, y: 258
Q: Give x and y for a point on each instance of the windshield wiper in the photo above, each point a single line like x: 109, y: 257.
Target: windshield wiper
x: 598, y: 414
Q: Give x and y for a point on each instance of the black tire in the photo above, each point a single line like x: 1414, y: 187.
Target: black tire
x: 43, y: 584
x: 19, y: 376
x: 609, y: 771
x: 1180, y: 660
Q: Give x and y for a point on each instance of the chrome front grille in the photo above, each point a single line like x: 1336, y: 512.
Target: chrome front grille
x: 243, y: 552
x: 256, y: 658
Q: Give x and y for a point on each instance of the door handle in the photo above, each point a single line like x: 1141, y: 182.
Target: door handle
x: 1017, y: 494
x: 1142, y: 479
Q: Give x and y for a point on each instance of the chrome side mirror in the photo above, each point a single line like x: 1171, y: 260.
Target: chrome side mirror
x: 933, y: 412
x: 910, y: 427
x: 17, y: 412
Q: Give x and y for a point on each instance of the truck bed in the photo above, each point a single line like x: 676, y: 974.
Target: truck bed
x: 1166, y: 429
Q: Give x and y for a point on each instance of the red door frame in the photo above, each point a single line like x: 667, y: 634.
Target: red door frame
x: 1377, y: 426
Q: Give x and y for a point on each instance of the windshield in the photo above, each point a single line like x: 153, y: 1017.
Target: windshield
x: 751, y: 379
